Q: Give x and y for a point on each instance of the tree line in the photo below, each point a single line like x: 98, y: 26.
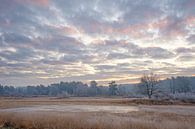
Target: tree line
x: 149, y: 86
x: 62, y: 89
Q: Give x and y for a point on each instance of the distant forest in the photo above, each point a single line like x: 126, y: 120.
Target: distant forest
x: 146, y: 88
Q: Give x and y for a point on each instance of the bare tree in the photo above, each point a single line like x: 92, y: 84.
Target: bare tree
x: 149, y: 81
x: 113, y: 89
x: 93, y: 84
x: 93, y: 90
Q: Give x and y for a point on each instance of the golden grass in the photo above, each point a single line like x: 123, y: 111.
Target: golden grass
x: 143, y: 119
x: 21, y: 102
x: 134, y: 120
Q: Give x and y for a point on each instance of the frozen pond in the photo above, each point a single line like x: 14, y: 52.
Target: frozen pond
x: 74, y: 108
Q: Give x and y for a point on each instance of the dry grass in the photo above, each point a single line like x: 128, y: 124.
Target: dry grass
x: 21, y: 102
x: 143, y: 119
x: 134, y: 120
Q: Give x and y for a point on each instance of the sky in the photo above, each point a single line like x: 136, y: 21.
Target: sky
x: 48, y: 41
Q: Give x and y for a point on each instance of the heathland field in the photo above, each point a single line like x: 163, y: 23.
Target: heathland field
x: 95, y: 113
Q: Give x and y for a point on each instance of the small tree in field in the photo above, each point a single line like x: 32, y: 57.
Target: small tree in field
x: 149, y: 81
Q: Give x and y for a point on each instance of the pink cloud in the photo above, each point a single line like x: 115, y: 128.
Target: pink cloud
x: 190, y: 4
x: 37, y: 2
x: 190, y: 21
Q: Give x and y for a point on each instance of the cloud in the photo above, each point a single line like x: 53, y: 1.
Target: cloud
x: 185, y: 50
x: 15, y: 38
x: 191, y: 39
x: 37, y: 2
x: 21, y: 54
x: 158, y: 53
x: 186, y: 57
x: 83, y: 40
x: 123, y: 49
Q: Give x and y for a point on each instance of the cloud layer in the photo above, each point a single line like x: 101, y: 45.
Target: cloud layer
x: 44, y: 41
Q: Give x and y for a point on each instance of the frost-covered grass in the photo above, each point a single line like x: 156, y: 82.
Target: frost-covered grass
x: 184, y: 96
x: 148, y: 117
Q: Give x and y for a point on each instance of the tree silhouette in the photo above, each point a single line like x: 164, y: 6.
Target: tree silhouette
x: 149, y: 81
x: 113, y: 89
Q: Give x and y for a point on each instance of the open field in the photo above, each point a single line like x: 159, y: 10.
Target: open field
x: 94, y: 113
x: 21, y: 102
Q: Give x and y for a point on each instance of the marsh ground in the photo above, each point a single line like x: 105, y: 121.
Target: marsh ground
x: 95, y: 113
